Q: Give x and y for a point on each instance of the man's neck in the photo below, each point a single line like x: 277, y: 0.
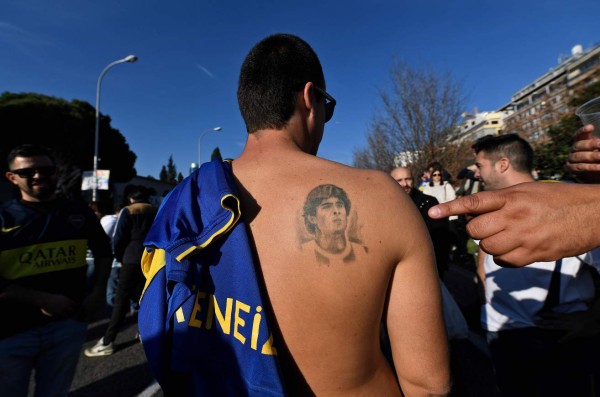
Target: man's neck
x: 334, y: 244
x: 34, y: 200
x: 270, y: 142
x: 517, y: 178
x: 40, y: 205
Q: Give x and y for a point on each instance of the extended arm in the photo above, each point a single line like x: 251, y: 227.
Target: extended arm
x: 531, y: 222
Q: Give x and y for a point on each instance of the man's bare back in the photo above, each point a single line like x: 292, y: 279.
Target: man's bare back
x: 335, y: 267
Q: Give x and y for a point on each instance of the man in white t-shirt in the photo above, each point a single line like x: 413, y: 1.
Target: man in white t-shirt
x: 109, y: 222
x: 531, y: 313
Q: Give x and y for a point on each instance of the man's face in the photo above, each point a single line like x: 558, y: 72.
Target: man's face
x: 487, y: 172
x: 330, y: 217
x: 404, y: 178
x: 41, y: 184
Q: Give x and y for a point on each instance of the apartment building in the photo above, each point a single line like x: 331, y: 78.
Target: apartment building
x: 534, y: 108
x: 478, y: 124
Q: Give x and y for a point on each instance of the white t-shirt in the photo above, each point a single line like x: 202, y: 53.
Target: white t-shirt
x: 514, y: 296
x: 108, y: 223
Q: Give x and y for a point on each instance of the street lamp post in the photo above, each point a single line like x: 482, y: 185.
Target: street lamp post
x: 216, y: 129
x: 131, y: 59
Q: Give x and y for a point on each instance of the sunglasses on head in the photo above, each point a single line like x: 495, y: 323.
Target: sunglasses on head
x: 30, y: 172
x: 329, y: 103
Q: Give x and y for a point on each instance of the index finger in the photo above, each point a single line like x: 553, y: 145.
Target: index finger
x: 478, y: 203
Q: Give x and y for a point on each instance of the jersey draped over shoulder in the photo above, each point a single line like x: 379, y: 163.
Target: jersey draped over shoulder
x: 203, y: 315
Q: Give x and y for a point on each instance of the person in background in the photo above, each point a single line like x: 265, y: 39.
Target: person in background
x: 437, y: 165
x: 530, y: 313
x: 559, y: 219
x: 130, y: 231
x: 438, y: 228
x: 469, y: 183
x: 43, y: 299
x: 438, y: 187
x: 109, y: 223
x: 443, y: 191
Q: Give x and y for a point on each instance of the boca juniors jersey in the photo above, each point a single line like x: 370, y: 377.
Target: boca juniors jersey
x: 203, y: 319
x: 43, y: 247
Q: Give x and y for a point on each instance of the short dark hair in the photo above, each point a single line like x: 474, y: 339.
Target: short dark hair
x: 273, y: 73
x: 316, y: 197
x: 139, y: 193
x: 28, y: 150
x: 511, y: 146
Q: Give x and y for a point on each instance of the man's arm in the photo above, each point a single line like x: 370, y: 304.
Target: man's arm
x: 95, y: 300
x: 49, y: 304
x: 99, y: 244
x: 531, y: 222
x: 414, y: 311
x: 416, y: 329
x: 121, y: 235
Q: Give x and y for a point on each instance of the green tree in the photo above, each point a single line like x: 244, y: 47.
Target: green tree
x: 168, y: 173
x: 68, y: 129
x: 163, y: 176
x: 552, y: 155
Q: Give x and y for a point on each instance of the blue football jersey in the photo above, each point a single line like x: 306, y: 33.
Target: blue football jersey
x: 204, y: 317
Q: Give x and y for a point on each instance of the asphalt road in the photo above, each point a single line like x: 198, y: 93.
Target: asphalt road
x: 122, y: 374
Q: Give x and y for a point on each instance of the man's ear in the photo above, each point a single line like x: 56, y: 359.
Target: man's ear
x: 504, y: 164
x: 308, y: 96
x: 11, y: 177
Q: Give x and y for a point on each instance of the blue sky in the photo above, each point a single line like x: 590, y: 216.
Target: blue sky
x: 190, y: 52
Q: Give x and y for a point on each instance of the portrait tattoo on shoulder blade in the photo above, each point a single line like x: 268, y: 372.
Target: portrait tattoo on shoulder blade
x: 326, y: 234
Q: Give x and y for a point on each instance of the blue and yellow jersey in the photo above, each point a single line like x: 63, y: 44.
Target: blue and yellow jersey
x: 204, y: 318
x: 43, y: 247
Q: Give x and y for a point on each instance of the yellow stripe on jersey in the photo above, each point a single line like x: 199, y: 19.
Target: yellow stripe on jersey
x: 232, y: 204
x: 152, y: 262
x: 42, y: 258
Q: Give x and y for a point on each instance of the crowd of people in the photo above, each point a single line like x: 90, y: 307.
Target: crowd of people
x: 282, y: 273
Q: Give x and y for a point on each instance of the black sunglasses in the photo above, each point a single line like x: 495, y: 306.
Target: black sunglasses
x: 30, y: 172
x: 329, y: 103
x: 437, y: 174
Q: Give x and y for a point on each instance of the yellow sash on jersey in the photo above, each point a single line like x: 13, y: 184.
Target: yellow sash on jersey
x: 42, y: 258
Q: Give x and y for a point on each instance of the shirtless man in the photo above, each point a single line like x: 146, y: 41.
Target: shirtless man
x: 330, y: 316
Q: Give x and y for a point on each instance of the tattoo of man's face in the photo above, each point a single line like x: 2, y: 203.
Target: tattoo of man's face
x: 326, y: 212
